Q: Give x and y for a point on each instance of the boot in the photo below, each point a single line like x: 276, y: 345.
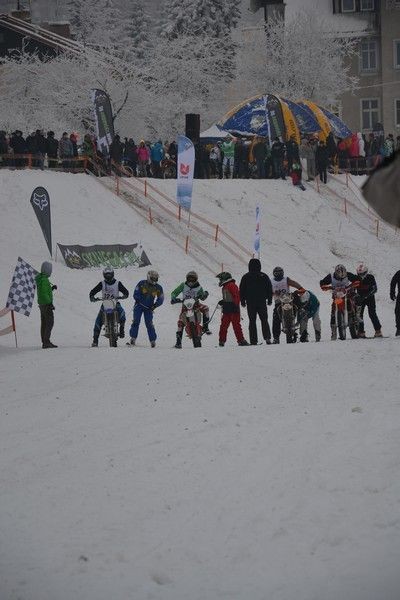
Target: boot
x: 122, y: 330
x: 317, y: 336
x: 268, y: 341
x: 243, y: 343
x: 397, y: 331
x: 95, y: 342
x: 205, y: 326
x: 48, y: 345
x: 179, y: 335
x: 304, y: 337
x: 222, y: 344
x: 131, y: 342
x: 361, y: 334
x: 334, y: 332
x: 153, y: 344
x: 275, y: 341
x: 378, y: 333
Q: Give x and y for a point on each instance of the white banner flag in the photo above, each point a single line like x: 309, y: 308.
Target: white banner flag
x: 257, y: 233
x: 185, y: 172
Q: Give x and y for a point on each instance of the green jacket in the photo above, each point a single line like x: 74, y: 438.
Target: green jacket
x: 44, y: 291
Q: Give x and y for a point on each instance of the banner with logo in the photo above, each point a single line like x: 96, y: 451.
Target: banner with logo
x: 257, y: 233
x: 103, y: 119
x: 40, y: 201
x: 185, y: 172
x: 117, y: 256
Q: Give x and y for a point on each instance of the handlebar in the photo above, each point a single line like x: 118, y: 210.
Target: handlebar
x: 94, y: 299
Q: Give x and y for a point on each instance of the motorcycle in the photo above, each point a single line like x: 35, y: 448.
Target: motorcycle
x: 192, y: 317
x: 288, y: 315
x: 168, y: 167
x: 110, y: 318
x: 346, y: 311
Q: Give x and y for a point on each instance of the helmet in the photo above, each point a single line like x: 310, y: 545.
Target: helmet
x: 278, y: 273
x: 191, y: 278
x: 362, y: 270
x: 224, y: 277
x: 108, y: 274
x: 340, y: 272
x: 152, y: 276
x: 305, y: 297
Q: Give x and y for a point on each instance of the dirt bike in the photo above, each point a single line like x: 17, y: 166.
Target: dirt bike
x: 346, y: 311
x: 168, y: 168
x: 192, y: 317
x: 110, y: 319
x: 288, y: 313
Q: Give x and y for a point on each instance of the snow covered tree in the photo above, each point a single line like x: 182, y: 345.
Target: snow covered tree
x: 96, y: 22
x: 137, y: 31
x: 214, y: 18
x: 301, y: 58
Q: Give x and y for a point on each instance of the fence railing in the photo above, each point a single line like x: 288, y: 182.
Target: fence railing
x: 77, y: 164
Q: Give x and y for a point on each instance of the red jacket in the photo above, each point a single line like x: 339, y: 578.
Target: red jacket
x: 230, y: 297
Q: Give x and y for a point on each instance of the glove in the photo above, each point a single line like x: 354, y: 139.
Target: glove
x: 53, y: 287
x: 174, y: 301
x: 243, y: 303
x: 269, y: 302
x: 92, y: 299
x: 220, y: 303
x: 52, y: 307
x: 393, y: 297
x: 153, y: 308
x: 204, y: 295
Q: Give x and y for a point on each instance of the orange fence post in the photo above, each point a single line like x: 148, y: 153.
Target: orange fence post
x: 377, y: 228
x: 117, y: 185
x: 345, y: 206
x: 216, y: 233
x: 187, y: 244
x: 150, y: 216
x: 347, y: 178
x: 29, y: 161
x: 179, y: 212
x: 145, y: 188
x: 317, y: 182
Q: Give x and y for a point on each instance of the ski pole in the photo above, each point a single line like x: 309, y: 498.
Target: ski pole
x: 210, y: 319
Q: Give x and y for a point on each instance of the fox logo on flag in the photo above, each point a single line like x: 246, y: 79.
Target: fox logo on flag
x: 40, y: 200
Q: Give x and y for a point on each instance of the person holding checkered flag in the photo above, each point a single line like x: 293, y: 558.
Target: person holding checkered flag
x: 45, y: 301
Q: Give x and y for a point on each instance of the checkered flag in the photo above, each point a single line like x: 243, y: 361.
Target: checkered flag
x: 22, y: 290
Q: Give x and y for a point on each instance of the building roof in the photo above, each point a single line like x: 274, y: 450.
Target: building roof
x: 40, y: 34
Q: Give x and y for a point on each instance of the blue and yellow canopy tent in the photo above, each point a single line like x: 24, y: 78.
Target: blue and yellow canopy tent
x: 272, y: 116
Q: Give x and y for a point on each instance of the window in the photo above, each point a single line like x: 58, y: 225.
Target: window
x: 369, y: 113
x: 367, y: 4
x: 369, y: 55
x: 396, y: 54
x: 348, y: 5
x: 397, y: 113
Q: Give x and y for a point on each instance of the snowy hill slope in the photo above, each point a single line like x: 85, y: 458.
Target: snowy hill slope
x: 263, y: 472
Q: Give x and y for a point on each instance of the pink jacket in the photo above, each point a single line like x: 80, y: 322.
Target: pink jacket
x: 143, y: 153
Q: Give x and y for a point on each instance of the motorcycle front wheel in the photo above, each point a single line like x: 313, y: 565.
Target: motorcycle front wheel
x: 112, y: 337
x: 341, y: 325
x: 193, y: 334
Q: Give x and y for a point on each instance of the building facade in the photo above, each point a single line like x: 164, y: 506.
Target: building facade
x: 377, y: 64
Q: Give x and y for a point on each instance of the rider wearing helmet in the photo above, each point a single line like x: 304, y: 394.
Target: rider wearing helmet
x: 230, y: 305
x: 109, y: 287
x: 307, y: 308
x: 148, y: 295
x: 366, y: 291
x: 280, y: 284
x: 340, y: 278
x: 190, y: 288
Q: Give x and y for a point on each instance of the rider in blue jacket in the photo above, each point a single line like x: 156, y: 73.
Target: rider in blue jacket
x: 148, y: 295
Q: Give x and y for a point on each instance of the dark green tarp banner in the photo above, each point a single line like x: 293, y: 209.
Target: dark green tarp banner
x: 112, y: 255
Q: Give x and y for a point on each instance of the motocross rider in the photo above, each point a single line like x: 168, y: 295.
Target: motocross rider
x: 190, y: 288
x: 340, y: 278
x: 109, y: 287
x: 280, y: 284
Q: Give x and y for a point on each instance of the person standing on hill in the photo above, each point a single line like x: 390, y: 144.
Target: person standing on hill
x: 396, y: 282
x: 230, y: 305
x: 228, y: 149
x: 365, y: 297
x: 45, y: 301
x: 322, y: 160
x: 255, y: 293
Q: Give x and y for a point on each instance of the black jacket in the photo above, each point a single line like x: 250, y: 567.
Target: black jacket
x: 255, y: 287
x: 51, y: 146
x: 292, y: 149
x: 367, y: 286
x: 395, y: 282
x: 321, y: 157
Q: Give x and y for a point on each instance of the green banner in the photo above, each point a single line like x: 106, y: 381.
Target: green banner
x: 117, y: 256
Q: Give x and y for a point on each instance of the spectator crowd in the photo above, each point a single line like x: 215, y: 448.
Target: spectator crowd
x: 229, y: 157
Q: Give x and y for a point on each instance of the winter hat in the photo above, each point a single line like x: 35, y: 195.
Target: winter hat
x: 46, y: 268
x: 254, y: 265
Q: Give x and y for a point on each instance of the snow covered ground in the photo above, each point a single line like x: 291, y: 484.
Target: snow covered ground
x: 236, y: 473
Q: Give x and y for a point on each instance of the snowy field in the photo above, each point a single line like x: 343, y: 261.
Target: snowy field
x: 261, y: 473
